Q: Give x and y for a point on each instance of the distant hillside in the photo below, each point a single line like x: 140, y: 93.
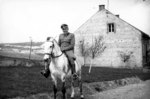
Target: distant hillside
x: 20, y: 46
x: 23, y: 44
x: 22, y: 50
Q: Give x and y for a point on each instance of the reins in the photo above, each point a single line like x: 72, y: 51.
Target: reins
x: 57, y: 56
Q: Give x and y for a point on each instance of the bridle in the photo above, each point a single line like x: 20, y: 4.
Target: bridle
x: 52, y: 54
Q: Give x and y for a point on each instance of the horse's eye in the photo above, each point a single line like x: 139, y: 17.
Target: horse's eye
x: 50, y: 46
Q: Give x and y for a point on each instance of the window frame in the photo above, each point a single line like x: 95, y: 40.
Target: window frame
x: 111, y: 27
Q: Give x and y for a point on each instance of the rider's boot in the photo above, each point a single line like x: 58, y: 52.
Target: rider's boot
x: 74, y: 74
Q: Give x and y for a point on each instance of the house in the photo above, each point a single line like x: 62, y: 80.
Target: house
x: 125, y: 44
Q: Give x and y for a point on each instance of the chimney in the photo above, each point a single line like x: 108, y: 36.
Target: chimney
x: 117, y: 15
x: 101, y: 7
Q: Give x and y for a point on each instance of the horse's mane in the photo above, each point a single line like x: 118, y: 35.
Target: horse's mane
x: 56, y: 46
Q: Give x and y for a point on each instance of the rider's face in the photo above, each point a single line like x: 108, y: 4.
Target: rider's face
x: 65, y: 29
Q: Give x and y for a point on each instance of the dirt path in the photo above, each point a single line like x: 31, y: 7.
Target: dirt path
x: 133, y: 91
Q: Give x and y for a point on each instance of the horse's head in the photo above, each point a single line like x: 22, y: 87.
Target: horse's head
x: 48, y: 47
x: 54, y: 49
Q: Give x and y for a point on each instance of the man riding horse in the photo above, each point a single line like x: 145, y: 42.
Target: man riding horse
x: 66, y: 42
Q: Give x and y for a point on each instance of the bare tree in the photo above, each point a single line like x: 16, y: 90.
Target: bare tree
x: 97, y: 49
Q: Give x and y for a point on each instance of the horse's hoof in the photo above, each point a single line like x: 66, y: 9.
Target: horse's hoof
x: 72, y: 97
x: 82, y: 97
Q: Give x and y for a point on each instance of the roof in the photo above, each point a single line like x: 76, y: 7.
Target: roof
x: 145, y: 35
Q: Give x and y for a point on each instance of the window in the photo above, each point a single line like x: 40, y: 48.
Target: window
x: 111, y: 27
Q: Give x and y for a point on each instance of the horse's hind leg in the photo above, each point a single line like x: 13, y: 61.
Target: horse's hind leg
x: 72, y: 89
x: 80, y: 85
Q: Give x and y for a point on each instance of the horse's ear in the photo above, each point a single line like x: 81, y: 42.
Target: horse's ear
x: 52, y: 39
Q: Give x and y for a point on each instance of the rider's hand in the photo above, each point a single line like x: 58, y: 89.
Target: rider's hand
x: 62, y: 49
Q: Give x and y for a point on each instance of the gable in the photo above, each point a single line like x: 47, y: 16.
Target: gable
x: 129, y: 25
x: 97, y: 24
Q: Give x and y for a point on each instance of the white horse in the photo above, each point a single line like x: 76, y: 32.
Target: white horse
x: 60, y: 70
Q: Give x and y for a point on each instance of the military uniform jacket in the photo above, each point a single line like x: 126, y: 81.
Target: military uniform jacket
x: 67, y: 43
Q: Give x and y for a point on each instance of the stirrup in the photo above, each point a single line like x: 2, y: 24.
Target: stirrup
x: 75, y: 76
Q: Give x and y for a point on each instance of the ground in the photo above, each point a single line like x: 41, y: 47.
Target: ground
x: 132, y: 91
x: 19, y: 81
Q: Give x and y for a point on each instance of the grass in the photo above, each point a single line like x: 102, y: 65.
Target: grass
x: 24, y: 81
x: 16, y: 81
x: 13, y: 55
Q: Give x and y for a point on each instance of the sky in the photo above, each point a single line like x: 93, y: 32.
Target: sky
x: 23, y: 20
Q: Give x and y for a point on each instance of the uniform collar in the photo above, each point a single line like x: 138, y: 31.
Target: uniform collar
x: 66, y: 34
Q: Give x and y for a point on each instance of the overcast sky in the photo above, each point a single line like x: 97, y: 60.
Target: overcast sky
x: 22, y: 19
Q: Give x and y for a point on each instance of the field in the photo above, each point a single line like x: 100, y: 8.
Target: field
x: 25, y: 81
x: 22, y: 50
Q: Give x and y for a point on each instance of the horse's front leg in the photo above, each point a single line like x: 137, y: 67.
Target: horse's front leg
x: 63, y: 86
x: 63, y: 90
x: 55, y: 91
x: 54, y: 86
x: 72, y: 90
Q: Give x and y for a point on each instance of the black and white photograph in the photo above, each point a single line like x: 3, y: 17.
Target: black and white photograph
x: 74, y: 49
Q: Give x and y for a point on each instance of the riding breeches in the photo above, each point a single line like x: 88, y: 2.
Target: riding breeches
x: 71, y: 57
